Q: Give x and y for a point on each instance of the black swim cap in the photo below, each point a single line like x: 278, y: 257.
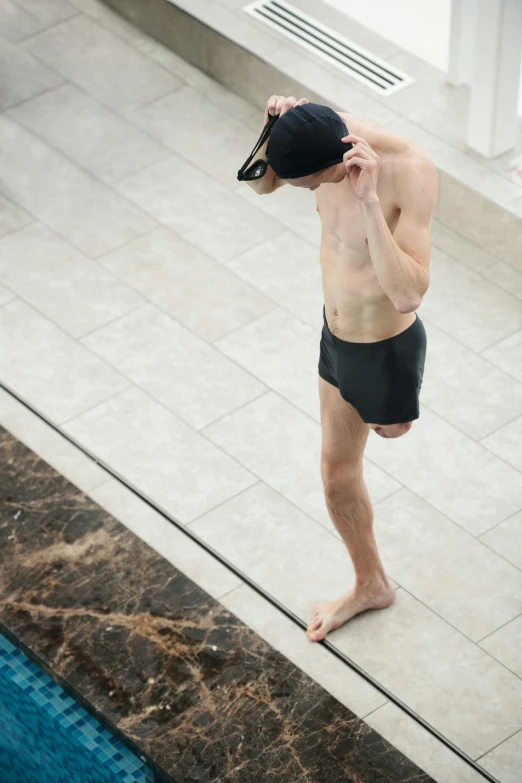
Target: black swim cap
x: 306, y: 139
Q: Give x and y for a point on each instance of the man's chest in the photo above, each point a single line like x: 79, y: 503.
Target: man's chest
x: 342, y: 219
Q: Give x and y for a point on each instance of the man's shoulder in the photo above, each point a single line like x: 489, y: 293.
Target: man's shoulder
x: 415, y: 177
x: 414, y: 156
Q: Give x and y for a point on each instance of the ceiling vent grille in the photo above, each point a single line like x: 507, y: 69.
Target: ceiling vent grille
x: 326, y: 43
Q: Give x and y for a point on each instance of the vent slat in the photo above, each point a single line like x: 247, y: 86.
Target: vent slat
x: 326, y: 43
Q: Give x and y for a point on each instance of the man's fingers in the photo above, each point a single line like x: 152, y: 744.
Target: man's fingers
x: 283, y: 104
x: 271, y: 104
x: 279, y: 104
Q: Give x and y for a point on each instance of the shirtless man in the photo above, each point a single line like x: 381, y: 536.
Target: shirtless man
x: 375, y: 204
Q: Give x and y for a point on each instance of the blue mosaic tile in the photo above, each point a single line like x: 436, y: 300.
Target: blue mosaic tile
x: 48, y: 738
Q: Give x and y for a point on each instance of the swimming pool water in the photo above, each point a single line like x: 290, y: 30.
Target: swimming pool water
x: 47, y: 737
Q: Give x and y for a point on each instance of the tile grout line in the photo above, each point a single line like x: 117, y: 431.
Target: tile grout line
x: 494, y: 527
x: 112, y: 322
x: 479, y: 642
x: 501, y: 427
x: 80, y: 12
x: 475, y: 442
x: 518, y: 731
x: 488, y: 347
x: 64, y: 422
x: 54, y: 24
x: 74, y: 340
x: 450, y: 519
x: 135, y: 383
x: 460, y: 631
x: 87, y: 173
x: 7, y: 109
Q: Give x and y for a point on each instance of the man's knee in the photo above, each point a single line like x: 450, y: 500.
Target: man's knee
x: 339, y: 478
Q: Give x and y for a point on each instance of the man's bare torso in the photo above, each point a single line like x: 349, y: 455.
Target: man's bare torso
x: 357, y: 309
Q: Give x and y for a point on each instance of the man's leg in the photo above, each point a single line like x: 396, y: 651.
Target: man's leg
x: 344, y: 438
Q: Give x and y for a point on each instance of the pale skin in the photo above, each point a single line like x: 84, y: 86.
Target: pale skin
x: 375, y: 208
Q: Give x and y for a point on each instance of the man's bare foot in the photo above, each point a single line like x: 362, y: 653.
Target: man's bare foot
x: 331, y: 614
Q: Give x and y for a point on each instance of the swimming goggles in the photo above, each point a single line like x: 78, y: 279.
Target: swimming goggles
x: 259, y: 167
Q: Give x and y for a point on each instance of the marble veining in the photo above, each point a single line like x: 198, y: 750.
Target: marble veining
x: 194, y: 688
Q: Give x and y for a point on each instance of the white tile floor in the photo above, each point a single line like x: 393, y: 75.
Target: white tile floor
x: 169, y: 320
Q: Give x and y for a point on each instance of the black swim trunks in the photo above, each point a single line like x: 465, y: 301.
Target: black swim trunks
x: 382, y: 380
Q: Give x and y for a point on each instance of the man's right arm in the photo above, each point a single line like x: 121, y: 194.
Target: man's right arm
x: 276, y: 104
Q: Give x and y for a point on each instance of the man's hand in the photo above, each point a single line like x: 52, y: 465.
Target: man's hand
x: 362, y: 166
x: 278, y: 104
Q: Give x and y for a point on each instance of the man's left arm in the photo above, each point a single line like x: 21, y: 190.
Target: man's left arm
x: 401, y: 261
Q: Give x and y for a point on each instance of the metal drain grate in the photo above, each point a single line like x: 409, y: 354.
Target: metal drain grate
x: 339, y: 51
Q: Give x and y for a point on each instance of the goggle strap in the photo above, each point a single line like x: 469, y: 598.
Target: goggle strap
x: 264, y: 135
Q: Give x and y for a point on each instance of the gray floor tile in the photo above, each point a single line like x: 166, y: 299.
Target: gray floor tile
x: 446, y: 568
x: 507, y: 354
x: 457, y: 687
x: 48, y: 368
x: 506, y: 539
x: 504, y: 760
x: 287, y: 269
x: 6, y: 295
x: 52, y: 447
x: 16, y: 23
x: 183, y: 281
x: 266, y: 537
x: 296, y: 208
x: 425, y: 750
x: 174, y: 366
x: 21, y: 75
x: 101, y: 13
x: 461, y: 478
x: 160, y: 455
x: 88, y: 133
x: 61, y: 283
x: 177, y: 120
x: 460, y: 248
x: 465, y: 388
x: 283, y: 353
x: 458, y: 298
x: 506, y: 277
x: 505, y: 443
x: 48, y: 11
x: 78, y: 207
x: 105, y: 66
x: 12, y: 217
x: 200, y: 209
x: 505, y: 645
x: 282, y: 446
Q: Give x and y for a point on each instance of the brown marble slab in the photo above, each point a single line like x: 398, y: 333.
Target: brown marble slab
x: 194, y: 688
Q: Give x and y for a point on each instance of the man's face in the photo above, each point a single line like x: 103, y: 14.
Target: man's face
x: 333, y: 174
